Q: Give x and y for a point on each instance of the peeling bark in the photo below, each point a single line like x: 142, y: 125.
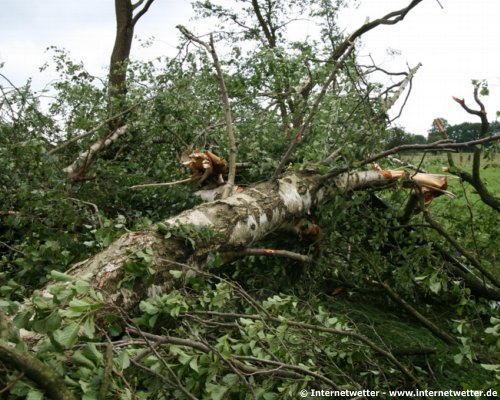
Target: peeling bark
x: 232, y: 224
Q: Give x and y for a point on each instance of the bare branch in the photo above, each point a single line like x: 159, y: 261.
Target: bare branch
x: 390, y: 102
x: 142, y: 11
x: 271, y: 252
x: 475, y: 178
x: 91, y: 132
x: 155, y: 185
x: 406, y: 164
x: 328, y: 160
x: 137, y: 4
x: 389, y: 19
x: 439, y: 145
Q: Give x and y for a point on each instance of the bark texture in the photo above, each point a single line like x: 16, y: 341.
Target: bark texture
x: 44, y: 376
x: 230, y: 224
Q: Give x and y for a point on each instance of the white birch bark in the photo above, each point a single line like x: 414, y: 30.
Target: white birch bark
x: 234, y: 223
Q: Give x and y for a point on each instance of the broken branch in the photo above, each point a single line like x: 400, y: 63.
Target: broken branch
x: 210, y: 47
x: 271, y: 252
x: 85, y: 159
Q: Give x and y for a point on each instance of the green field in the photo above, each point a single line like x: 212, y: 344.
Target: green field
x: 433, y: 163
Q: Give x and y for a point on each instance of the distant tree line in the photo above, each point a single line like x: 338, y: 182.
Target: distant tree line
x: 463, y: 132
x: 398, y: 136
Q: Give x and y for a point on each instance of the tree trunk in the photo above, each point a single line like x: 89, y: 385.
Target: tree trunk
x: 121, y: 49
x: 117, y: 88
x: 221, y: 226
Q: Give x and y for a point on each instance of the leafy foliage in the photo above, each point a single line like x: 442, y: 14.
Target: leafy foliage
x: 258, y: 327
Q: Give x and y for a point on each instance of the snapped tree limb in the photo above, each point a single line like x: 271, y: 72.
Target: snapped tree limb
x: 85, y: 159
x: 210, y: 47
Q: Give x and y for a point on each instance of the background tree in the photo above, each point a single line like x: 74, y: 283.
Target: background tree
x: 398, y: 136
x: 433, y: 134
x: 127, y: 15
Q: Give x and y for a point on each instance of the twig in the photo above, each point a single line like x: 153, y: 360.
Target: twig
x: 231, y: 364
x: 406, y: 164
x: 417, y: 315
x: 471, y: 219
x: 338, y: 57
x: 12, y: 248
x: 329, y: 159
x: 319, y: 328
x: 410, y: 309
x: 86, y: 157
x: 475, y: 178
x: 389, y: 19
x: 91, y: 205
x: 270, y: 252
x: 154, y: 373
x: 390, y: 102
x: 300, y: 134
x: 11, y: 384
x: 404, y: 103
x: 444, y: 135
x: 142, y: 11
x: 44, y: 376
x: 178, y: 383
x: 413, y: 351
x: 477, y: 285
x: 439, y: 145
x: 153, y: 185
x: 108, y: 369
x: 301, y: 370
x: 237, y: 360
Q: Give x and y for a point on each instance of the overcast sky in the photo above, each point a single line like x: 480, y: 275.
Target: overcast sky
x: 454, y: 44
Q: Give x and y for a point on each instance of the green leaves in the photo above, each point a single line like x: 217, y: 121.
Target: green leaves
x: 139, y: 267
x: 215, y: 392
x: 67, y: 336
x: 171, y: 304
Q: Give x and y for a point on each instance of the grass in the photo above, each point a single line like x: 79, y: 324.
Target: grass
x: 490, y: 171
x: 475, y: 225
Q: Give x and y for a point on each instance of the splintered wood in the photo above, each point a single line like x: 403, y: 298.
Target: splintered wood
x: 204, y: 164
x: 429, y: 185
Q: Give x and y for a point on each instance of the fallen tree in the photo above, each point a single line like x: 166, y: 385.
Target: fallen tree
x: 183, y: 246
x: 230, y: 225
x: 162, y: 311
